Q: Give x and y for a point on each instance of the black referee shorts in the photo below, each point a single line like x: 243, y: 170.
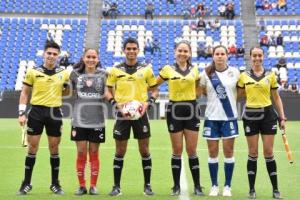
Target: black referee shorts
x: 42, y: 116
x: 140, y: 127
x: 183, y: 115
x: 260, y: 120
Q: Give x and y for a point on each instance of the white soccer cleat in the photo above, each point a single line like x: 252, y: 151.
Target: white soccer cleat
x: 227, y: 191
x: 214, y: 191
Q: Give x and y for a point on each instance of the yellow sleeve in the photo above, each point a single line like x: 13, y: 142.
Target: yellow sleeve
x: 274, y: 84
x: 29, y: 77
x: 163, y: 73
x: 111, y: 80
x: 151, y: 80
x: 241, y: 83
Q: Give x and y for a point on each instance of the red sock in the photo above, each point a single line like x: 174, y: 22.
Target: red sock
x: 80, y: 166
x: 95, y: 163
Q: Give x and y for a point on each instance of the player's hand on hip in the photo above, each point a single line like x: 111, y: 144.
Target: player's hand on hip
x: 22, y: 120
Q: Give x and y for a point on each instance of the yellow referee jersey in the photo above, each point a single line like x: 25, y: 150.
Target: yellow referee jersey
x: 47, y: 85
x: 258, y: 89
x: 131, y: 82
x: 182, y: 85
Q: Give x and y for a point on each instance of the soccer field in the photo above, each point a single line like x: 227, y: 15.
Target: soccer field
x: 12, y: 167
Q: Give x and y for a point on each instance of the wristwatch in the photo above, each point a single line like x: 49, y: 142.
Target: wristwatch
x: 21, y: 113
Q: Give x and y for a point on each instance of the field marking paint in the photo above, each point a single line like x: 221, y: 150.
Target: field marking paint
x: 184, y: 195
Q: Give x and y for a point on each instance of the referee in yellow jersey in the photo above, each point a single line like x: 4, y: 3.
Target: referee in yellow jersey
x: 126, y: 82
x: 183, y: 115
x: 45, y: 83
x: 259, y: 117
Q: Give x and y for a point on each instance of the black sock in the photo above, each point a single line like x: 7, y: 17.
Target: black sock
x: 29, y: 163
x: 195, y: 169
x: 252, y: 169
x: 118, y: 166
x: 272, y: 170
x: 54, y: 161
x: 176, y: 169
x: 147, y: 165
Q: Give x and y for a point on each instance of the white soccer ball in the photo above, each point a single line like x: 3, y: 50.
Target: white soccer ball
x: 133, y: 109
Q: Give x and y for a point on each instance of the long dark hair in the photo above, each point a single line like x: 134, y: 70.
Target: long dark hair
x: 80, y: 66
x: 189, y: 61
x: 212, y: 67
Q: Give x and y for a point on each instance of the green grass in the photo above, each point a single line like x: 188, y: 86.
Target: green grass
x: 12, y: 166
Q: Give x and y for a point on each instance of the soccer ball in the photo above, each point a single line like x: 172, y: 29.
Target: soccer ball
x: 133, y: 109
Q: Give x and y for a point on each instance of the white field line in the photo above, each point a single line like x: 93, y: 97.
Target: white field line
x: 184, y: 195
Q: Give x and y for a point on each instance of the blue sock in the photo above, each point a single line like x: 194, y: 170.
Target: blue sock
x: 213, y: 165
x: 228, y: 168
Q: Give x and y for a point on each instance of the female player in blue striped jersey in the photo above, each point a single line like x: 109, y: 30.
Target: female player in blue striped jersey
x: 218, y: 83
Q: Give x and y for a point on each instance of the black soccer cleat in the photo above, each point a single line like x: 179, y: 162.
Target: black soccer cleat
x: 116, y: 191
x: 81, y: 191
x: 24, y: 189
x: 198, y: 190
x: 175, y: 190
x: 148, y: 190
x: 277, y: 195
x: 93, y: 191
x: 252, y: 194
x: 56, y: 188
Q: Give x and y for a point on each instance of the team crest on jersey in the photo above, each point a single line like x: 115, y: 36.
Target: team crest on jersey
x: 89, y: 82
x: 230, y: 74
x: 221, y: 93
x: 59, y: 77
x: 267, y: 81
x: 140, y: 75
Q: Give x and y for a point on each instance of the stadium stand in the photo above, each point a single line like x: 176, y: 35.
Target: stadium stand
x: 162, y: 8
x: 22, y: 43
x: 292, y: 8
x: 44, y: 6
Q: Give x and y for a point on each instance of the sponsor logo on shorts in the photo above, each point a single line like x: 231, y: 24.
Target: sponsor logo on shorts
x: 247, y: 129
x: 73, y: 133
x: 198, y: 125
x: 274, y: 127
x: 116, y: 132
x: 171, y: 127
x: 30, y: 130
x: 101, y: 136
x: 145, y: 129
x: 207, y: 131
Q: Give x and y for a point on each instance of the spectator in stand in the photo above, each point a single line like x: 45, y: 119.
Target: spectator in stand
x: 264, y: 41
x: 149, y: 10
x: 209, y: 51
x: 279, y: 40
x: 105, y: 9
x: 240, y: 51
x: 222, y: 10
x: 193, y: 11
x: 113, y: 11
x: 229, y: 13
x: 272, y: 41
x: 201, y: 51
x: 193, y: 26
x: 155, y: 46
x: 267, y: 5
x: 281, y: 4
x: 64, y: 61
x: 294, y: 88
x: 232, y: 50
x: 215, y: 24
x: 148, y: 46
x: 201, y: 10
x: 50, y: 37
x: 282, y: 71
x: 186, y: 13
x: 201, y: 25
x: 171, y: 1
